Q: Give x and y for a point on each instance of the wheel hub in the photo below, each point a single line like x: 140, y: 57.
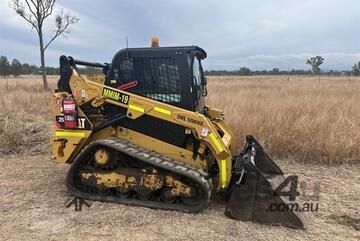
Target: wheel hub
x: 101, y: 157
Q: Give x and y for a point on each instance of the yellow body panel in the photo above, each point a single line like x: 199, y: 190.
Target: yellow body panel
x: 66, y: 143
x: 161, y: 147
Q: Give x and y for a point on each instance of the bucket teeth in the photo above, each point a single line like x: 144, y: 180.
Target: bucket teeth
x: 255, y: 198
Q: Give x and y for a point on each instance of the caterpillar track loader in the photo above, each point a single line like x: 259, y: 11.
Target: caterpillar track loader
x: 141, y: 134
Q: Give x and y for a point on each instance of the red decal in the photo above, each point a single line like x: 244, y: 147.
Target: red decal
x: 127, y: 85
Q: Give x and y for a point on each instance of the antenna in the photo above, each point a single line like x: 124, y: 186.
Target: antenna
x: 127, y: 47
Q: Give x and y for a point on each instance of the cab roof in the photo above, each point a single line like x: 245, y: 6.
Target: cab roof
x: 201, y: 51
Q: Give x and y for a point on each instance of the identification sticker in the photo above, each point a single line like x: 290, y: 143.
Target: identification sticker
x: 205, y: 131
x: 117, y: 96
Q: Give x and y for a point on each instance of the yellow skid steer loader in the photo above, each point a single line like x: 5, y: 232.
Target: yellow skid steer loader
x: 141, y: 134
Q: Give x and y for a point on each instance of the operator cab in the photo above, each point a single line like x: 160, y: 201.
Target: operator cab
x: 173, y: 75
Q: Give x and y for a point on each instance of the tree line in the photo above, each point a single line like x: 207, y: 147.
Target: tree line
x: 314, y: 62
x: 244, y: 71
x: 16, y: 68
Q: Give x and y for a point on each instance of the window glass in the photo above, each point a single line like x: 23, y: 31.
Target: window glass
x: 196, y: 72
x: 158, y: 78
x: 126, y: 69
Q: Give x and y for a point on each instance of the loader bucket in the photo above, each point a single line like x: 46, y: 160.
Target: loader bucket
x: 254, y: 198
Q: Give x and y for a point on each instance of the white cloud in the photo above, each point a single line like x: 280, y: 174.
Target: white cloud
x: 258, y: 34
x: 8, y: 17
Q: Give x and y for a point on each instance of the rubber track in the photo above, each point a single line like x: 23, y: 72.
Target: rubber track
x: 147, y: 156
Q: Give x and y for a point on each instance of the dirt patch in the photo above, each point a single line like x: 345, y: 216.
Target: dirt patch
x: 33, y: 195
x: 347, y: 220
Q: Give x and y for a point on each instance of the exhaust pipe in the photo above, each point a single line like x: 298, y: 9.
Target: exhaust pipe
x: 254, y: 194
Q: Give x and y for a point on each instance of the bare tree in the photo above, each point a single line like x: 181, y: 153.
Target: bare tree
x: 35, y: 13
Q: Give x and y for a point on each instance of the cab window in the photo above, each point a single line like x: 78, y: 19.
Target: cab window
x: 158, y: 78
x: 196, y: 72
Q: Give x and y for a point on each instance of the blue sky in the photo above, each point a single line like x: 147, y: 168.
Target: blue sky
x: 259, y: 34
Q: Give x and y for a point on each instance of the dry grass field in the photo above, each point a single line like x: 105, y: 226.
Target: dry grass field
x: 310, y: 125
x: 308, y: 119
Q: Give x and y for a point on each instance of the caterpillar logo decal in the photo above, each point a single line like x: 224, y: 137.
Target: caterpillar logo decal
x: 82, y: 122
x: 117, y: 96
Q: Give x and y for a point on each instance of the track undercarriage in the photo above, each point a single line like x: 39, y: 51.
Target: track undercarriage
x: 115, y: 170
